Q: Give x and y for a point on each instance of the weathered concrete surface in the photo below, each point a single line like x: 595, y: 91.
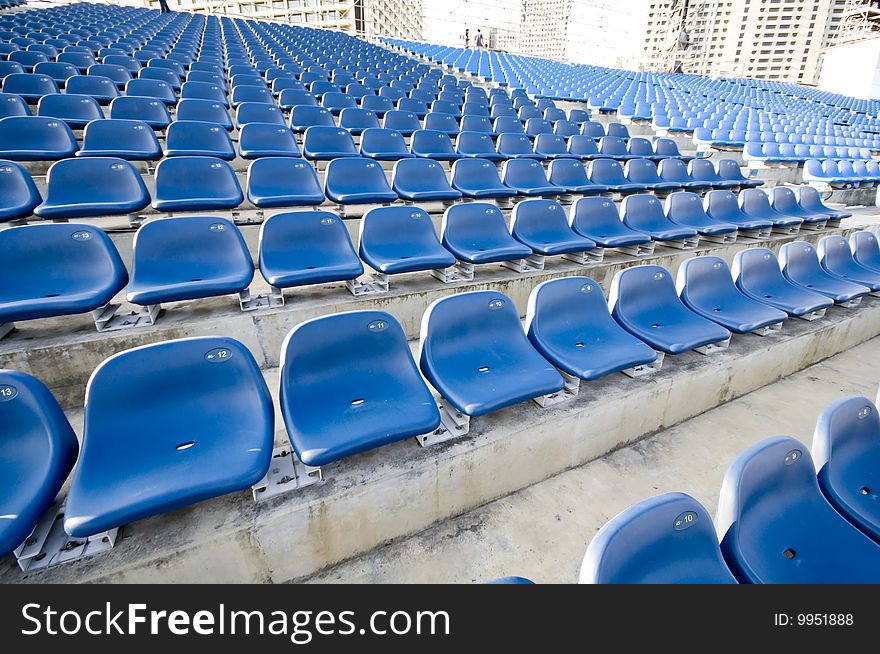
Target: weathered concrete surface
x: 542, y: 531
x: 62, y: 352
x: 374, y: 498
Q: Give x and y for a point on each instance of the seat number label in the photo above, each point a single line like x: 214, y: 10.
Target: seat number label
x: 218, y: 355
x: 7, y: 392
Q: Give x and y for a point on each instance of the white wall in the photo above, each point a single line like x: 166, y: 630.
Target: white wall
x: 852, y: 69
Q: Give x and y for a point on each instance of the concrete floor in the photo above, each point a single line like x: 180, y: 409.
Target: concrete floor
x: 542, y: 531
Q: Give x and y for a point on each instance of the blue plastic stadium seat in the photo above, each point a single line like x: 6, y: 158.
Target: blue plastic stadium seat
x: 722, y: 206
x: 29, y: 86
x: 94, y: 186
x: 644, y: 171
x: 58, y: 71
x: 304, y: 116
x: 306, y: 247
x: 187, y: 258
x: 477, y: 145
x: 38, y: 451
x: 756, y: 206
x: 18, y: 193
x: 132, y: 140
x: 706, y: 287
x: 75, y: 110
x: 757, y: 274
x: 609, y: 173
x: 383, y: 145
x: 290, y: 98
x: 432, y: 144
x: 675, y: 170
x: 349, y: 384
x: 242, y: 94
x: 571, y: 176
x: 422, y: 180
x: 568, y: 323
x: 61, y: 269
x: 644, y: 302
x: 667, y: 539
x: 837, y: 259
x: 283, y: 182
x: 644, y: 213
x: 478, y: 179
x: 442, y: 122
x: 865, y: 249
x: 401, y: 239
x: 597, y: 219
x: 552, y: 146
x: 195, y: 184
x: 102, y: 89
x: 776, y: 527
x: 702, y: 170
x: 322, y: 143
x: 475, y: 232
x: 516, y: 146
x: 846, y: 449
x: 357, y: 120
x: 257, y: 140
x: 204, y: 111
x: 193, y: 138
x: 669, y: 149
x: 809, y: 199
x: 405, y: 122
x: 800, y: 265
x: 13, y: 105
x: 207, y: 430
x: 542, y: 225
x: 785, y: 202
x: 35, y: 138
x: 152, y: 88
x: 685, y: 208
x: 153, y: 112
x: 475, y: 353
x: 729, y: 169
x: 357, y: 180
x: 258, y: 112
x: 527, y: 177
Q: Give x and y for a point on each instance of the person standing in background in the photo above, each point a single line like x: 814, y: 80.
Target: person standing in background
x: 478, y: 39
x: 163, y: 6
x: 467, y: 37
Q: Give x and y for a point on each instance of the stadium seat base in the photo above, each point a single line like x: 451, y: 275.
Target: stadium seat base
x: 645, y: 368
x: 787, y: 230
x: 724, y: 239
x: 596, y: 255
x: 286, y: 473
x: 49, y: 545
x: 532, y: 263
x: 712, y: 348
x: 768, y: 329
x: 813, y: 315
x: 6, y: 329
x: 106, y: 319
x: 755, y: 233
x: 370, y: 284
x: 460, y: 272
x: 815, y: 227
x: 850, y: 304
x: 569, y: 392
x: 642, y: 249
x: 689, y: 243
x: 833, y: 223
x: 248, y: 302
x: 453, y: 423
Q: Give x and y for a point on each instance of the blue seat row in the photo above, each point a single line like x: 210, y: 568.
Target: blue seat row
x: 778, y: 521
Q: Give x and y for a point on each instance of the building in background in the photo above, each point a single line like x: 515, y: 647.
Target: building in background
x: 851, y: 64
x: 366, y: 18
x: 763, y: 39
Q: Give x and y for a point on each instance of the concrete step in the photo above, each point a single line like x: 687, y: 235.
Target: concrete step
x: 378, y: 497
x: 64, y: 351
